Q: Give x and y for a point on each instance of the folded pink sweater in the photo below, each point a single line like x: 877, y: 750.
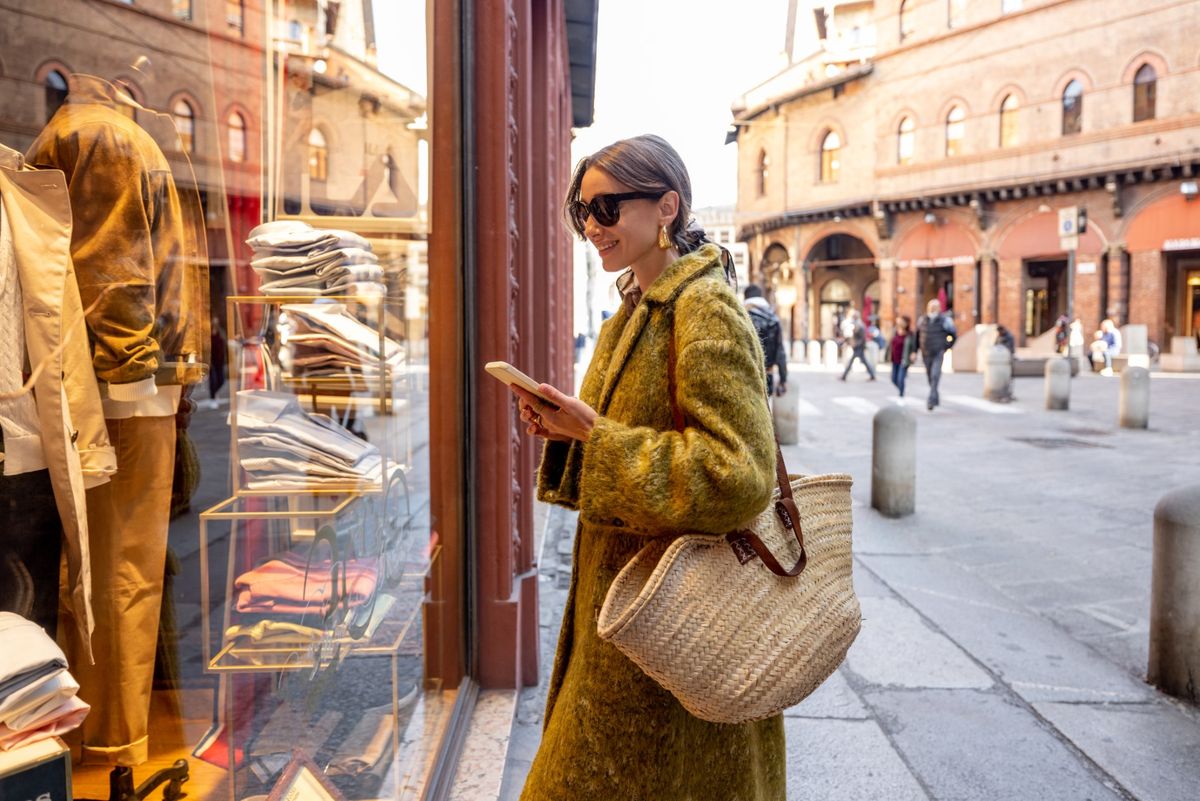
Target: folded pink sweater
x: 280, y: 587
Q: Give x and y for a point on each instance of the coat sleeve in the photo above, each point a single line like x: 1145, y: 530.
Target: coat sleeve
x: 719, y: 471
x: 112, y: 195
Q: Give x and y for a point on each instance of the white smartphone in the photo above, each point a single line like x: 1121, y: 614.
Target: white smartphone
x: 514, y: 377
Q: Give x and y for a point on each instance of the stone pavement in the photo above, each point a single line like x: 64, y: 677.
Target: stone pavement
x: 1004, y: 643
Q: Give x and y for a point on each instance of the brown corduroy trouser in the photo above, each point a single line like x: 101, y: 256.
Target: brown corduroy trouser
x: 127, y: 523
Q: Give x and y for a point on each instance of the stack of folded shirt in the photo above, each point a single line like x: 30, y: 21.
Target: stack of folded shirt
x: 289, y: 585
x: 293, y: 258
x: 323, y: 339
x: 282, y: 447
x: 37, y: 694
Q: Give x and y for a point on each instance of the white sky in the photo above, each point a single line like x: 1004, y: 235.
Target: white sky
x: 673, y: 67
x: 670, y: 67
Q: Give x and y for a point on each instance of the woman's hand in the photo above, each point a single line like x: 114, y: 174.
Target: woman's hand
x: 573, y: 419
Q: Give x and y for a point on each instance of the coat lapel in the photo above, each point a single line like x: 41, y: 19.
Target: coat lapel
x: 662, y: 292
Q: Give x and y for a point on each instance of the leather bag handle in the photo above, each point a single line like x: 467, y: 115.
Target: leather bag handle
x: 745, y: 543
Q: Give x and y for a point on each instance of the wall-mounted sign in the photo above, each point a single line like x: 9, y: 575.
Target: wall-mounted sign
x: 1192, y: 243
x: 1085, y: 268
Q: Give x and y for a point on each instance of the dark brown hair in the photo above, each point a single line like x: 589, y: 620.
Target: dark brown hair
x: 647, y: 163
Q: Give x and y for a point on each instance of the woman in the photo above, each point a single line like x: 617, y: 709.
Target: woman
x: 902, y: 351
x: 610, y: 731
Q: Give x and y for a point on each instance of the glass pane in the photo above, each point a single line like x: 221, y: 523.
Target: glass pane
x: 251, y: 244
x: 1145, y: 85
x: 1008, y: 121
x: 1072, y: 105
x: 904, y: 142
x: 955, y: 127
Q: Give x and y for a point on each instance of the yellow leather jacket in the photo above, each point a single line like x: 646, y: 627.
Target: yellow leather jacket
x: 138, y: 243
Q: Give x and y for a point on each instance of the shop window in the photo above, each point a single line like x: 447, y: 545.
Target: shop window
x: 182, y: 9
x: 235, y: 16
x: 955, y: 129
x: 237, y: 137
x: 764, y: 165
x: 1072, y: 108
x: 831, y: 146
x: 1145, y: 85
x: 904, y: 141
x: 906, y: 24
x: 956, y: 12
x: 1008, y: 121
x: 56, y: 91
x: 185, y: 125
x: 318, y: 156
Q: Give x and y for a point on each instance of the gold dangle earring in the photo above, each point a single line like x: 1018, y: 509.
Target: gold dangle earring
x: 664, y: 241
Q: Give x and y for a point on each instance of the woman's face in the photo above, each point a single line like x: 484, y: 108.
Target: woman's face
x: 634, y: 236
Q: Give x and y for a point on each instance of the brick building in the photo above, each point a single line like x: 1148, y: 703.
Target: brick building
x: 911, y: 149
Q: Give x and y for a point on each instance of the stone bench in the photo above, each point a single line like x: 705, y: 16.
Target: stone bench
x: 1183, y: 358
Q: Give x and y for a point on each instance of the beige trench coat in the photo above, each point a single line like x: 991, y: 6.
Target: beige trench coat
x: 74, y: 436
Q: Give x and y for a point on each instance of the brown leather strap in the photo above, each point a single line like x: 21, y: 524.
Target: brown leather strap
x: 746, y: 544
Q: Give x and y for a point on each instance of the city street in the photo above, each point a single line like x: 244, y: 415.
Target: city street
x: 1005, y: 637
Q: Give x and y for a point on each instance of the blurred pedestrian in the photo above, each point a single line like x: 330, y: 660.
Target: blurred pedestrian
x: 1062, y: 335
x: 1075, y: 341
x: 902, y: 351
x: 216, y: 370
x: 770, y: 335
x: 1106, y: 345
x: 858, y: 341
x: 935, y: 335
x: 1004, y: 339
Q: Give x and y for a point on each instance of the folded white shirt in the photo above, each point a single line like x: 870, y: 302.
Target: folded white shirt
x: 27, y: 648
x: 59, y: 720
x: 25, y: 706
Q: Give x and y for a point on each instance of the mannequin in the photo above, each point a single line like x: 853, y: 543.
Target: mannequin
x: 142, y: 275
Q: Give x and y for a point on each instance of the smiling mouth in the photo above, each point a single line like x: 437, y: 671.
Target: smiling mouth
x: 602, y: 249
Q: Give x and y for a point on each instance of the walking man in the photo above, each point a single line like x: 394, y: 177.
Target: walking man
x: 935, y: 335
x: 858, y: 341
x: 770, y: 334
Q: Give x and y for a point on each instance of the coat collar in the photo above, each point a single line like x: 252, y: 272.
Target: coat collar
x: 682, y: 272
x: 11, y: 159
x: 662, y: 292
x: 82, y: 88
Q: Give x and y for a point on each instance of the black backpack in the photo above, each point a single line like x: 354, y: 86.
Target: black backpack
x: 767, y: 328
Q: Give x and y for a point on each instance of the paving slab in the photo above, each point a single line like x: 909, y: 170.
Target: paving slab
x: 1152, y: 749
x: 1037, y: 659
x: 833, y: 699
x: 976, y: 746
x: 896, y: 649
x: 845, y: 760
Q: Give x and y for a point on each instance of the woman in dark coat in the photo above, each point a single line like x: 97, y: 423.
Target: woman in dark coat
x: 612, y: 732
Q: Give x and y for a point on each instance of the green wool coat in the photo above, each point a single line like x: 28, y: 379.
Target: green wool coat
x: 611, y: 732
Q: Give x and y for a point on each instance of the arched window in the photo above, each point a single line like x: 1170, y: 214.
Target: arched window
x: 1008, y: 121
x: 1145, y: 86
x: 1072, y: 108
x: 955, y: 127
x: 237, y: 137
x: 764, y: 166
x: 56, y: 91
x: 182, y: 9
x: 830, y: 165
x: 318, y: 156
x: 904, y: 141
x: 906, y: 25
x: 185, y: 124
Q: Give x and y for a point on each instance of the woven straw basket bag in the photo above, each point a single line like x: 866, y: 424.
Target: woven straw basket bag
x: 721, y: 624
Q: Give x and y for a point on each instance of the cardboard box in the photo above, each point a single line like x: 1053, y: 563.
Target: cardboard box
x: 40, y: 771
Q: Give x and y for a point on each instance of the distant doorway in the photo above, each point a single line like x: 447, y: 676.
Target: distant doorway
x: 1183, y: 297
x: 1045, y: 295
x: 936, y: 283
x: 835, y: 302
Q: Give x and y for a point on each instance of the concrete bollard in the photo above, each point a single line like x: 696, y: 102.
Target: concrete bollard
x: 1058, y: 383
x: 785, y: 413
x: 1175, y: 595
x: 997, y: 374
x: 894, y: 461
x: 1135, y: 397
x: 814, y: 352
x: 831, y: 354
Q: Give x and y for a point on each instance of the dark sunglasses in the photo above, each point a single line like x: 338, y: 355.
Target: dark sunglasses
x: 606, y: 209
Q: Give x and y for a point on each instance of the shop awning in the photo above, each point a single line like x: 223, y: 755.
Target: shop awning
x: 581, y: 47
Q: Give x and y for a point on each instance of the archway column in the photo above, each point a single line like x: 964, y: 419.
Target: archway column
x: 1147, y: 292
x: 1118, y: 284
x: 1012, y: 297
